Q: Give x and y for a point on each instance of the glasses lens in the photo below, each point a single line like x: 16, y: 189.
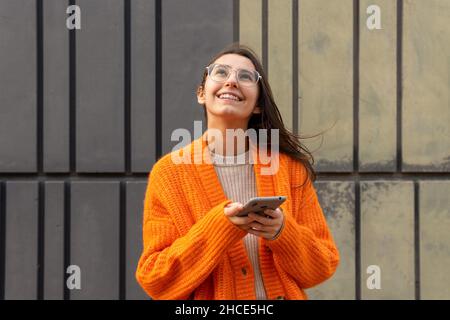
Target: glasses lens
x: 246, y: 77
x: 220, y: 73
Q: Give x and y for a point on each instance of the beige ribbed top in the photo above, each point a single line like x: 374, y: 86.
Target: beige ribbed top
x: 239, y: 184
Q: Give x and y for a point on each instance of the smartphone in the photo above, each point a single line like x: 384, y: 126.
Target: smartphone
x: 259, y: 204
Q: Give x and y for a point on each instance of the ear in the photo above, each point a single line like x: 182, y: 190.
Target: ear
x: 200, y: 95
x: 256, y: 110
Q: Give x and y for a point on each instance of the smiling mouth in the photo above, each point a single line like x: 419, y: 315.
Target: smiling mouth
x: 227, y: 98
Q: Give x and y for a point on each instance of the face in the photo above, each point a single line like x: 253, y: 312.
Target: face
x: 218, y: 107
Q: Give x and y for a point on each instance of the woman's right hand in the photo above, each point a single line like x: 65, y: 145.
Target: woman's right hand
x: 231, y: 210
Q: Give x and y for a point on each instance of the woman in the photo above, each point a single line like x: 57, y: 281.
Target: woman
x: 195, y: 244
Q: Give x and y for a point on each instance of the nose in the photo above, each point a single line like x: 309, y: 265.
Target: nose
x: 232, y: 80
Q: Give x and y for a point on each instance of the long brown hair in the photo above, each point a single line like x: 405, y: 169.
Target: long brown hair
x: 270, y: 116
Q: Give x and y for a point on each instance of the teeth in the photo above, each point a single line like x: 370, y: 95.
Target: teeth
x: 228, y: 96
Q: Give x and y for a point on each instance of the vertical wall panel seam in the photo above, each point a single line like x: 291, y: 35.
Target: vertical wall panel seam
x: 264, y: 33
x: 127, y: 84
x: 399, y: 82
x: 158, y: 78
x: 122, y: 204
x: 41, y: 241
x: 236, y: 17
x: 67, y: 225
x: 2, y: 238
x: 40, y: 141
x: 417, y: 239
x: 40, y: 85
x: 358, y: 278
x: 356, y: 39
x: 356, y: 54
x: 122, y: 241
x: 356, y: 36
x: 72, y: 98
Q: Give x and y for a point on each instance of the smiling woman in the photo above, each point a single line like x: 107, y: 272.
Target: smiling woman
x: 229, y: 105
x: 196, y: 245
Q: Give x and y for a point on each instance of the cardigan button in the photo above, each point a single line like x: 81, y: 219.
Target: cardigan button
x: 244, y: 271
x: 280, y: 298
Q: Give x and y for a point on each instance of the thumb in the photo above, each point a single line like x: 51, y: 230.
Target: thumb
x: 233, y: 208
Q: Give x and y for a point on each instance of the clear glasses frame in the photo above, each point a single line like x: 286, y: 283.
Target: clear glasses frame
x: 240, y: 74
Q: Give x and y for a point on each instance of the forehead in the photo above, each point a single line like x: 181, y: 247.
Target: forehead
x: 236, y: 61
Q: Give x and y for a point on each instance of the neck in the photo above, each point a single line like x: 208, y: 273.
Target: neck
x: 232, y: 143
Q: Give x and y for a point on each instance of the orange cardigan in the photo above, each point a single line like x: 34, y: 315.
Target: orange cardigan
x: 192, y: 251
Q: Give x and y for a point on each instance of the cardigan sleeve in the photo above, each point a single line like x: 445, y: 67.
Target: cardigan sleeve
x: 305, y: 248
x: 173, y: 265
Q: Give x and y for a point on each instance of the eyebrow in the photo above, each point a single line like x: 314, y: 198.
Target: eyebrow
x: 223, y: 64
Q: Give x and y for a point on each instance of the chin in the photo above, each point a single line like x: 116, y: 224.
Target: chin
x: 224, y: 109
x: 227, y: 114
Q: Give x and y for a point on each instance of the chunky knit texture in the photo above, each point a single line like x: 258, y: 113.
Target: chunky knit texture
x: 192, y: 251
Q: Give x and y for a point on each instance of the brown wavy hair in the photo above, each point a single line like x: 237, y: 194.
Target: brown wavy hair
x: 270, y: 116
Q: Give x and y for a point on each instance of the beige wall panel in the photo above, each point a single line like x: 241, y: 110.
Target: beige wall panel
x: 280, y: 56
x: 377, y: 88
x: 326, y: 80
x: 250, y: 24
x: 337, y: 200
x: 387, y: 238
x: 426, y: 83
x: 434, y: 239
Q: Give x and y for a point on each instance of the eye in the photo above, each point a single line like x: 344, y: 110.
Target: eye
x: 246, y: 75
x: 220, y: 70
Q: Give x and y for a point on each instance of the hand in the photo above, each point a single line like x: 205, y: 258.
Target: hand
x: 266, y: 226
x: 231, y: 210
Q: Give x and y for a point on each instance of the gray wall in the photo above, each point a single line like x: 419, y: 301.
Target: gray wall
x: 85, y: 114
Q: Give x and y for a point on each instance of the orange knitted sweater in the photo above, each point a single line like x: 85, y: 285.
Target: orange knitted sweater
x: 192, y: 251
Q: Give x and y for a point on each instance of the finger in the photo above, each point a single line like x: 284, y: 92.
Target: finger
x: 263, y: 220
x: 251, y: 216
x: 273, y: 213
x: 232, y: 204
x: 241, y: 220
x: 233, y: 209
x: 260, y: 227
x: 237, y: 205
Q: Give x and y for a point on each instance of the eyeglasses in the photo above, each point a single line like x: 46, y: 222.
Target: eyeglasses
x: 221, y: 72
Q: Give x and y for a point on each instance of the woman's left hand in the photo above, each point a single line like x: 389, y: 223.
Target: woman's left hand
x: 267, y: 225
